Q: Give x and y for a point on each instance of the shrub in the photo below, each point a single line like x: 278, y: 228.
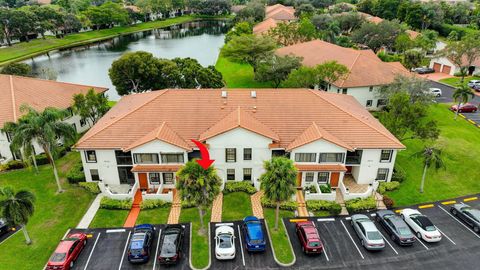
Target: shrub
x: 243, y: 186
x: 385, y: 57
x: 76, y: 175
x: 326, y: 188
x: 289, y: 205
x: 388, y: 186
x: 389, y: 202
x: 41, y: 159
x: 359, y: 204
x: 90, y: 186
x: 107, y: 203
x: 13, y: 165
x: 312, y: 189
x: 321, y: 205
x: 398, y: 174
x: 151, y: 204
x: 187, y: 204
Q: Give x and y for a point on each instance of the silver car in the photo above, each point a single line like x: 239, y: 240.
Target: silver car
x: 473, y: 83
x: 367, y: 232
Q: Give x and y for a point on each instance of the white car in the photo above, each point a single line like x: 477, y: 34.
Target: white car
x: 437, y: 92
x: 421, y: 225
x: 225, y: 243
x: 473, y: 83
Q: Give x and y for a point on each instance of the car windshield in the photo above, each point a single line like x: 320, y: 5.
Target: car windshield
x: 58, y: 257
x: 169, y: 248
x: 374, y: 235
x: 404, y: 231
x: 314, y: 244
x: 254, y: 231
x: 224, y: 240
x: 136, y: 247
x: 474, y: 212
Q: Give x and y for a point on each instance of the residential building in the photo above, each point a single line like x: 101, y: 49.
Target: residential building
x: 366, y: 71
x: 39, y: 94
x: 144, y: 140
x: 274, y: 15
x: 445, y: 65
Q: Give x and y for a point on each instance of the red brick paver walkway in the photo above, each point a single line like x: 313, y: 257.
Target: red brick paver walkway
x: 217, y: 209
x: 302, y: 207
x: 257, y: 204
x: 174, y: 215
x: 133, y: 215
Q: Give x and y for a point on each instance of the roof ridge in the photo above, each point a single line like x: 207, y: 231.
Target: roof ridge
x: 159, y: 129
x: 45, y: 80
x: 318, y: 130
x: 12, y: 92
x: 351, y: 67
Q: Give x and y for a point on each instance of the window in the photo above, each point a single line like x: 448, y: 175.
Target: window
x: 230, y: 174
x: 331, y: 157
x: 382, y: 174
x: 381, y: 102
x: 230, y: 154
x: 386, y: 156
x: 344, y: 91
x: 145, y: 158
x: 369, y: 103
x: 83, y: 122
x: 168, y: 179
x: 154, y: 178
x: 370, y: 89
x: 123, y: 158
x: 172, y: 158
x: 305, y: 157
x: 94, y: 174
x: 323, y: 177
x: 309, y: 177
x: 91, y: 156
x: 247, y: 174
x: 247, y: 153
x: 74, y: 127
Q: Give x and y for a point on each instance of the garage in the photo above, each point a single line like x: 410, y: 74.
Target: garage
x: 446, y: 69
x: 437, y: 66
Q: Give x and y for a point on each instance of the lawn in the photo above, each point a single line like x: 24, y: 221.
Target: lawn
x: 236, y: 206
x: 460, y: 142
x: 455, y: 81
x: 199, y: 245
x: 106, y: 218
x: 54, y: 214
x: 154, y: 216
x: 282, y: 249
x: 238, y: 75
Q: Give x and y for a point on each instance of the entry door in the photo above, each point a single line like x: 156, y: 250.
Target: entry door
x: 142, y: 178
x: 299, y: 179
x: 334, y: 179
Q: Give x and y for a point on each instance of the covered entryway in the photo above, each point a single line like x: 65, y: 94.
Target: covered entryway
x: 143, y: 181
x: 334, y: 178
x: 446, y: 69
x: 156, y: 179
x: 437, y: 67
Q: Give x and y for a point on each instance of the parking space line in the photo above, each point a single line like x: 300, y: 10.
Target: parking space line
x: 470, y: 199
x: 456, y: 219
x: 91, y: 252
x: 241, y: 245
x: 384, y: 238
x: 351, y: 238
x: 325, y: 219
x: 156, y: 249
x: 421, y: 242
x: 446, y: 236
x: 426, y: 206
x: 449, y: 202
x: 124, y: 250
x: 325, y: 251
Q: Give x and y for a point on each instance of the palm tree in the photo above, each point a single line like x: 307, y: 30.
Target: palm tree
x: 21, y: 144
x: 17, y: 208
x: 431, y: 157
x: 198, y: 186
x: 278, y: 182
x: 45, y: 128
x: 461, y: 95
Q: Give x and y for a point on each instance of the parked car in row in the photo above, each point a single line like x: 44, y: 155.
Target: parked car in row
x: 368, y: 233
x: 225, y: 243
x: 141, y: 243
x: 423, y: 70
x: 421, y: 225
x: 437, y: 92
x: 253, y: 234
x: 4, y: 228
x: 469, y: 215
x: 396, y: 227
x: 67, y: 252
x: 171, y: 242
x: 473, y: 83
x: 309, y: 238
x: 464, y: 108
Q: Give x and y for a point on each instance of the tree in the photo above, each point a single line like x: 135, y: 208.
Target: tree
x: 376, y: 36
x: 276, y: 68
x: 212, y: 7
x: 278, y: 182
x: 386, y: 9
x: 403, y: 43
x: 192, y: 75
x: 91, y: 106
x: 248, y: 48
x: 241, y: 28
x: 198, y: 187
x: 413, y: 58
x: 304, y: 10
x: 19, y: 69
x: 417, y: 89
x: 461, y: 95
x: 427, y: 40
x: 22, y: 145
x: 320, y: 76
x: 21, y: 23
x: 254, y: 11
x: 349, y: 22
x: 431, y: 157
x: 290, y: 33
x: 17, y: 208
x: 463, y: 53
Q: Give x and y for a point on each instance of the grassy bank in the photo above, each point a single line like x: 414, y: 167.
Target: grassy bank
x: 280, y: 241
x: 237, y: 75
x: 236, y: 206
x: 106, y: 218
x: 455, y: 81
x: 154, y: 216
x: 199, y: 244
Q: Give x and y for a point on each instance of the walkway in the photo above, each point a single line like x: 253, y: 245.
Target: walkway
x: 379, y: 199
x: 340, y: 200
x: 217, y: 209
x: 353, y: 186
x: 302, y: 207
x: 174, y: 216
x: 133, y: 215
x: 90, y: 214
x: 256, y: 200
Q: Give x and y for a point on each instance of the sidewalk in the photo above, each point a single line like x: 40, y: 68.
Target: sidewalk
x: 217, y: 209
x: 257, y: 204
x: 302, y: 206
x: 90, y: 214
x: 176, y: 209
x: 135, y: 211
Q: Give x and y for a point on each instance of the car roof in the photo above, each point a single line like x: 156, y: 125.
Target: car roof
x: 224, y: 229
x: 250, y: 218
x: 64, y: 246
x: 424, y: 220
x: 368, y: 225
x: 143, y: 227
x: 254, y: 230
x: 311, y: 233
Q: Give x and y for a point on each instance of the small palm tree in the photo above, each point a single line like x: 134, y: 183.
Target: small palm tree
x: 17, y: 208
x: 461, y: 95
x: 278, y: 182
x: 431, y: 157
x: 21, y: 144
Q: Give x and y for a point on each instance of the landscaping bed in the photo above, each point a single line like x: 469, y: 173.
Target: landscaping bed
x: 281, y: 244
x: 238, y: 75
x: 108, y: 218
x: 236, y: 206
x: 199, y: 244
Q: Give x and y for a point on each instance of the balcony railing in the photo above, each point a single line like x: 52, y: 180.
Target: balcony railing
x: 353, y: 159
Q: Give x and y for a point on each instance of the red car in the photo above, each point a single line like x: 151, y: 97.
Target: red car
x: 67, y: 252
x: 309, y: 238
x: 465, y: 108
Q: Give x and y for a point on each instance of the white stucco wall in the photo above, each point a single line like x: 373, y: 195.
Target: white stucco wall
x: 361, y: 94
x: 106, y: 165
x: 366, y: 172
x: 444, y: 61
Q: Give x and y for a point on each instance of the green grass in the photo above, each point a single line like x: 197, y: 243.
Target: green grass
x: 236, y: 206
x: 199, y: 244
x: 455, y: 81
x: 322, y: 214
x: 238, y: 75
x: 460, y: 142
x: 154, y: 216
x: 279, y: 238
x: 54, y: 214
x: 107, y: 218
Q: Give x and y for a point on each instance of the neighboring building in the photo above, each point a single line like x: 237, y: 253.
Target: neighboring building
x: 39, y: 94
x: 445, y: 65
x: 366, y: 71
x: 265, y: 26
x: 273, y: 15
x: 376, y: 20
x: 144, y: 140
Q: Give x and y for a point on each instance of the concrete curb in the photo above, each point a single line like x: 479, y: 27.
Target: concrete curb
x: 209, y: 251
x: 273, y: 250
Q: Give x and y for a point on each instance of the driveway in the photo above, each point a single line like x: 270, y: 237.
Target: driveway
x: 435, y: 76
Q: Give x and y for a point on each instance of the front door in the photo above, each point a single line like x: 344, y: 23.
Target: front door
x: 299, y: 179
x: 142, y: 178
x: 334, y: 179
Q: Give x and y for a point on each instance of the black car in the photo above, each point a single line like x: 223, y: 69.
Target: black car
x: 423, y: 70
x: 141, y: 243
x: 171, y: 242
x: 469, y: 215
x: 396, y: 227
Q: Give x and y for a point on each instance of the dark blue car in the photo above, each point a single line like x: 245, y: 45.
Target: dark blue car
x: 140, y: 243
x: 253, y: 234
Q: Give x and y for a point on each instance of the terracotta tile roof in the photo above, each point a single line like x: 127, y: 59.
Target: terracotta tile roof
x: 313, y: 133
x: 371, y: 18
x: 156, y: 168
x: 163, y: 133
x: 366, y: 69
x: 264, y: 26
x: 412, y: 34
x: 270, y: 9
x: 282, y: 14
x: 286, y: 112
x: 321, y: 167
x: 40, y: 94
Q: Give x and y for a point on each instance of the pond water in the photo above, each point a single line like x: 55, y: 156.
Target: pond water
x: 89, y: 65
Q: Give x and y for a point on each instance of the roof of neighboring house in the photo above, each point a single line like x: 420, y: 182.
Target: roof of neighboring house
x: 282, y: 14
x: 282, y: 115
x: 44, y: 2
x: 39, y: 94
x: 272, y: 8
x: 264, y: 26
x: 366, y: 69
x: 321, y: 167
x: 371, y: 18
x: 133, y: 8
x: 412, y: 34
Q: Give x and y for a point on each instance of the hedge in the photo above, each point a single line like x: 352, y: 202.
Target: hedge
x: 326, y: 188
x: 321, y: 205
x: 107, y: 203
x: 12, y: 165
x: 151, y: 204
x: 359, y: 204
x: 388, y: 186
x: 289, y: 205
x: 187, y: 204
x: 445, y: 29
x: 90, y: 186
x: 41, y: 159
x: 76, y: 175
x: 237, y: 186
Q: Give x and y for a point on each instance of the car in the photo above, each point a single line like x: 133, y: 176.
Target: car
x: 368, y: 233
x: 473, y: 83
x: 464, y: 108
x: 67, y: 252
x: 421, y: 225
x: 396, y: 227
x: 468, y: 214
x: 4, y: 228
x: 437, y: 92
x: 423, y: 70
x: 253, y: 234
x: 309, y: 238
x: 171, y: 242
x: 476, y: 87
x: 225, y: 243
x: 141, y: 243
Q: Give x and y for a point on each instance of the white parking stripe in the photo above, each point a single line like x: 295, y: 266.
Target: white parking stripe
x: 325, y: 251
x: 384, y: 238
x: 124, y: 250
x: 446, y: 236
x: 420, y: 241
x: 91, y: 252
x: 325, y: 219
x: 156, y: 250
x: 351, y: 238
x: 241, y: 245
x: 458, y: 221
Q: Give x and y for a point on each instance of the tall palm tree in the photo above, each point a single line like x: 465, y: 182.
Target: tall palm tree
x: 461, y: 95
x: 278, y: 182
x: 21, y: 144
x: 17, y: 208
x: 431, y: 157
x: 45, y: 128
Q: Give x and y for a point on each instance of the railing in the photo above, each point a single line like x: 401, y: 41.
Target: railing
x: 168, y: 197
x: 347, y: 195
x: 319, y: 195
x: 353, y: 159
x: 118, y: 196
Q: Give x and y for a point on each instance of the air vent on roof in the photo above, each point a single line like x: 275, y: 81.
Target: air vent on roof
x: 253, y: 94
x: 224, y: 94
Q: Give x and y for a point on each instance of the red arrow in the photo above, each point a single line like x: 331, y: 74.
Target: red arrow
x: 205, y: 162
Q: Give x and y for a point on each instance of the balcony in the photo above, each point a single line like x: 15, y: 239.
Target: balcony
x: 354, y: 158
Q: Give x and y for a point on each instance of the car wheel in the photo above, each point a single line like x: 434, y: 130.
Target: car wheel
x: 71, y: 264
x: 476, y: 229
x: 394, y: 239
x: 419, y: 235
x: 454, y: 212
x: 460, y: 111
x: 363, y: 243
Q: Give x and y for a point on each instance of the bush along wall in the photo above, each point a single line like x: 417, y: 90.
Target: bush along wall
x: 321, y: 205
x: 289, y: 205
x: 237, y: 186
x: 359, y: 205
x: 107, y: 203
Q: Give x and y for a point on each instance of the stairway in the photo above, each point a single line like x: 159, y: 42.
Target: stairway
x: 302, y: 206
x: 176, y: 209
x: 134, y: 211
